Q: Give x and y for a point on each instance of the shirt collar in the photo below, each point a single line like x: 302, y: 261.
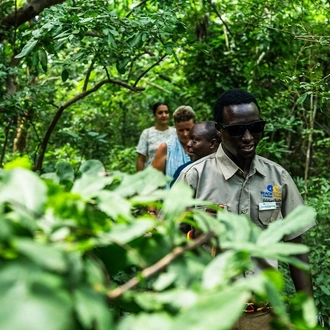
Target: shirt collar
x: 229, y: 168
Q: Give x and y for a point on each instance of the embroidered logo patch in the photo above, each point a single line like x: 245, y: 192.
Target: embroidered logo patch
x: 272, y: 192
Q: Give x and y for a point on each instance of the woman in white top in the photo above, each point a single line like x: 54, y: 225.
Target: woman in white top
x: 152, y: 137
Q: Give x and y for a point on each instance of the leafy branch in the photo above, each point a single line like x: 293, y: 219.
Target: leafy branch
x: 158, y: 266
x: 59, y: 112
x: 146, y: 71
x: 24, y: 14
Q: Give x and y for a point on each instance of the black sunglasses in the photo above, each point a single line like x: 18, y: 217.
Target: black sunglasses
x: 256, y: 127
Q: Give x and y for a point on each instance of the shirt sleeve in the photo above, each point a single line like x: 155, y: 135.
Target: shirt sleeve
x: 142, y: 147
x: 189, y: 176
x: 291, y: 200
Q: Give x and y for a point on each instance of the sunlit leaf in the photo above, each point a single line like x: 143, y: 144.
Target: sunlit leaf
x: 65, y: 172
x: 302, y: 98
x: 113, y: 204
x: 92, y: 166
x: 37, y: 298
x: 159, y: 321
x: 24, y: 189
x: 90, y: 185
x: 123, y: 234
x: 44, y: 255
x: 164, y: 280
x: 174, y: 203
x: 214, y: 311
x: 223, y: 268
x: 27, y: 49
x: 142, y: 183
x: 298, y: 219
x: 23, y: 162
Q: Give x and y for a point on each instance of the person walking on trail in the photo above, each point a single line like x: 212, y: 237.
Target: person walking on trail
x: 172, y: 154
x: 245, y: 183
x: 152, y: 137
x: 203, y: 141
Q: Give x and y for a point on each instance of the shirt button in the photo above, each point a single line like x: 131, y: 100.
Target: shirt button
x: 244, y: 211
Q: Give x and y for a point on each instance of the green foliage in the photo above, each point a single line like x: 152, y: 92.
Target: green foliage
x: 277, y: 50
x: 318, y: 239
x: 77, y: 251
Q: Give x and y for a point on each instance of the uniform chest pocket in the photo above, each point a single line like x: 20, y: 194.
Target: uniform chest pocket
x: 268, y: 216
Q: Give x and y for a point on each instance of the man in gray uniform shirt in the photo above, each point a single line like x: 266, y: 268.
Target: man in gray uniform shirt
x: 246, y: 183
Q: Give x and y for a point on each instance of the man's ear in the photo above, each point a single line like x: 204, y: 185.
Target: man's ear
x: 217, y: 127
x: 213, y: 144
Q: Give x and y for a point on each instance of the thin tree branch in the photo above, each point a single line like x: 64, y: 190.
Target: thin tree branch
x: 327, y: 76
x: 107, y: 72
x: 162, y: 76
x: 58, y: 114
x: 5, y: 143
x: 158, y: 87
x: 312, y: 115
x: 138, y: 5
x: 146, y: 71
x: 93, y: 34
x: 219, y: 15
x: 158, y: 266
x: 88, y: 74
x: 24, y: 14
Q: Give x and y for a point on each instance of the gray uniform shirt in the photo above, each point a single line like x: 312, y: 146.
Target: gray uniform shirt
x: 217, y: 179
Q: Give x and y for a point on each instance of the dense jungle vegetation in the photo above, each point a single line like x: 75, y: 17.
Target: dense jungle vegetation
x: 77, y: 82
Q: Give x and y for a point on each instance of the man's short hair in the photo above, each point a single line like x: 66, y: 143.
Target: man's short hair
x: 184, y: 113
x: 211, y: 131
x: 234, y: 96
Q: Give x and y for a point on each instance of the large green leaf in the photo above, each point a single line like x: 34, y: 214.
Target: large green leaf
x: 44, y: 255
x: 142, y: 183
x: 90, y: 185
x: 92, y: 309
x: 225, y: 267
x: 164, y: 280
x: 299, y: 218
x: 92, y: 166
x: 238, y: 228
x: 207, y: 222
x: 213, y: 311
x: 124, y: 233
x: 24, y: 189
x: 271, y: 251
x: 65, y: 172
x: 27, y: 49
x: 143, y: 321
x: 33, y: 300
x: 113, y: 204
x: 179, y: 299
x: 178, y: 199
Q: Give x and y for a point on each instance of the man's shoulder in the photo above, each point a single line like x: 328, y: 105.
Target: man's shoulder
x: 266, y: 161
x: 270, y: 165
x: 199, y: 164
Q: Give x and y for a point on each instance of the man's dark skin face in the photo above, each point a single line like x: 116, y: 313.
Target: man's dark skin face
x: 198, y: 146
x: 240, y: 149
